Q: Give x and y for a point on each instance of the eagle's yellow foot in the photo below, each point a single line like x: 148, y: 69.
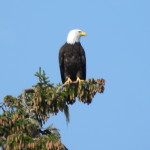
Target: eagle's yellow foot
x: 79, y: 80
x: 68, y: 81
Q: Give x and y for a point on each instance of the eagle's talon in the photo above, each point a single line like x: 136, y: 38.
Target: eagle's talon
x: 79, y: 80
x: 68, y: 81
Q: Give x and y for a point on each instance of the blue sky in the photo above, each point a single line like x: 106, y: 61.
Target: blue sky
x: 117, y: 49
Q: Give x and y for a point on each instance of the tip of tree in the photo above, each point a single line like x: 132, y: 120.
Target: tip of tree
x: 23, y: 116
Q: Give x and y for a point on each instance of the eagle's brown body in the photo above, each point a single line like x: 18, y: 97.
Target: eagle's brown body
x: 72, y: 62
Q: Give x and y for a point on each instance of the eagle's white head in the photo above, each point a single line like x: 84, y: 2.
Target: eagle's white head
x: 74, y: 36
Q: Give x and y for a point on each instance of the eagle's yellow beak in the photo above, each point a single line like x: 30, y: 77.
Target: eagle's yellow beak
x: 83, y: 33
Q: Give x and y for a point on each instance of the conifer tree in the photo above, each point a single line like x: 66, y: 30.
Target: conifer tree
x: 22, y: 117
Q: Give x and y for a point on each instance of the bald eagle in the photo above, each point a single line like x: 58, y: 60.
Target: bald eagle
x: 72, y: 59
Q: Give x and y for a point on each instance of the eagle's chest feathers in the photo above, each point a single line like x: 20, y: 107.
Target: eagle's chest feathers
x: 72, y: 57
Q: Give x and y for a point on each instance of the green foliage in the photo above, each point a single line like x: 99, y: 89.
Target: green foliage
x: 23, y: 117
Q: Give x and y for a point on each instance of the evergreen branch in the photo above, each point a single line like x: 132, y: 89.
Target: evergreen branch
x: 23, y: 117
